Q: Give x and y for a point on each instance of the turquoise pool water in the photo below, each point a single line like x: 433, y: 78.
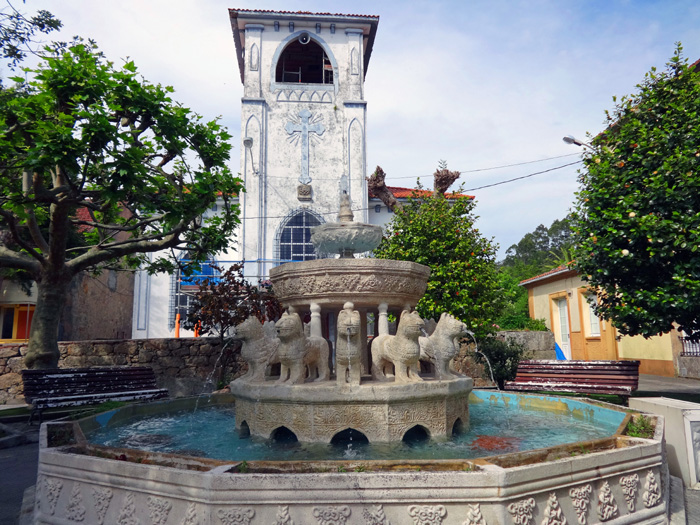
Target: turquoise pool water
x: 499, y: 423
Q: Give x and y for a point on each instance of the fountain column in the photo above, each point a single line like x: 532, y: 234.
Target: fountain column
x: 315, y: 323
x: 383, y: 321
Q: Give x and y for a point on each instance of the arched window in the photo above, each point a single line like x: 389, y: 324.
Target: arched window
x: 304, y: 63
x: 294, y: 237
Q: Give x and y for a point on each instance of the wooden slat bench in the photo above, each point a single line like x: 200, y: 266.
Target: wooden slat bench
x: 70, y: 387
x: 586, y: 377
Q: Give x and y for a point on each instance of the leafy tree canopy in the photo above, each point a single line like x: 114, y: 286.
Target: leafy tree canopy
x: 439, y: 232
x: 17, y: 32
x: 637, y: 216
x: 93, y: 150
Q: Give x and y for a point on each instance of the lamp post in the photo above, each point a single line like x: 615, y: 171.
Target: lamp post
x: 570, y: 139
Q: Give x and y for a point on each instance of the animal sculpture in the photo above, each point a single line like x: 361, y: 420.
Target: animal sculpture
x: 401, y: 350
x: 442, y: 345
x: 296, y: 352
x: 257, y: 349
x: 348, y: 346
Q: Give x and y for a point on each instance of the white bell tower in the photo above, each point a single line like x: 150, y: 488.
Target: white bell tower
x: 303, y: 122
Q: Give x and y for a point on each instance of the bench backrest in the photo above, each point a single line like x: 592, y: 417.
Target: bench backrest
x: 76, y: 381
x: 592, y: 372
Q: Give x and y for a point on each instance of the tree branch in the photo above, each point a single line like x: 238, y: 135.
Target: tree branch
x: 34, y: 230
x: 377, y: 186
x: 12, y: 223
x: 12, y: 259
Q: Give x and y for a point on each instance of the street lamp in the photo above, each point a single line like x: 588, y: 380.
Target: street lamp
x: 248, y: 145
x: 570, y: 139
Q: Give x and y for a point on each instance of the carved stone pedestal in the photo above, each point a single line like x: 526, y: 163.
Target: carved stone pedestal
x: 383, y: 412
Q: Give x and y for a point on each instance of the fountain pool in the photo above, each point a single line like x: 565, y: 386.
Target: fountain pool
x: 500, y: 423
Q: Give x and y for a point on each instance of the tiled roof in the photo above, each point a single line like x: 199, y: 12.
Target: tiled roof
x: 403, y: 193
x: 83, y: 214
x: 561, y: 269
x: 273, y: 12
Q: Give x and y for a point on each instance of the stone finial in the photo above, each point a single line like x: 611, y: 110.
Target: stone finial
x: 345, y: 214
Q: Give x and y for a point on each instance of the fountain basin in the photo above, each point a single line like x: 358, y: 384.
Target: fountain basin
x: 617, y: 480
x: 364, y: 282
x: 346, y: 238
x: 383, y: 412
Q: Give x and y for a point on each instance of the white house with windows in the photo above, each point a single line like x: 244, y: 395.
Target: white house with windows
x: 303, y: 144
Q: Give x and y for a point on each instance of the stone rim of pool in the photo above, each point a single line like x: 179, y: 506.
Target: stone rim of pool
x: 621, y: 480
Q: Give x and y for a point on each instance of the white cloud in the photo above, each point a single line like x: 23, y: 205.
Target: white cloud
x: 478, y: 83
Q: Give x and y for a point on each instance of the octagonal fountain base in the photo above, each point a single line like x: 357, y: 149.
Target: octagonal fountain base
x: 383, y: 412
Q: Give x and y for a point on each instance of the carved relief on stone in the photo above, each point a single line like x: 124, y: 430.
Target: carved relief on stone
x: 304, y: 192
x: 158, y: 510
x: 305, y: 95
x: 474, y: 516
x: 102, y: 499
x: 354, y: 61
x: 332, y: 419
x: 254, y: 57
x: 294, y: 286
x: 427, y: 514
x: 127, y: 516
x: 332, y: 515
x: 629, y: 486
x: 75, y: 511
x: 52, y: 490
x: 553, y: 514
x: 375, y: 516
x: 235, y: 516
x: 652, y: 493
x: 191, y: 517
x: 403, y: 416
x: 283, y: 517
x: 521, y: 511
x: 580, y: 499
x: 607, y: 508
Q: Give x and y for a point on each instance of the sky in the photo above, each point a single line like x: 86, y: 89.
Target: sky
x: 479, y: 84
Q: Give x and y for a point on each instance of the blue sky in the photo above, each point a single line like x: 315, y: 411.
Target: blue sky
x: 478, y: 83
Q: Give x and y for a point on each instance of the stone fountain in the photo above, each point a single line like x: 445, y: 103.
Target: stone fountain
x: 339, y: 293
x: 613, y: 480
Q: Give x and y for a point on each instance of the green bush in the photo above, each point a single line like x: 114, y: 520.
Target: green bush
x: 504, y: 356
x: 521, y: 321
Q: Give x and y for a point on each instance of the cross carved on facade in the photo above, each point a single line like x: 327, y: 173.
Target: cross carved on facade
x: 303, y: 128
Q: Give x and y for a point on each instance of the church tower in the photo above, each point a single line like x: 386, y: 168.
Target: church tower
x: 303, y: 122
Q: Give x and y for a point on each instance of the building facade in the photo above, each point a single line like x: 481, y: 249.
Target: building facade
x: 566, y: 303
x: 303, y: 144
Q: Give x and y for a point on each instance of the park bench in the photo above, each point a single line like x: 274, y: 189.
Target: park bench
x: 71, y: 387
x: 585, y: 377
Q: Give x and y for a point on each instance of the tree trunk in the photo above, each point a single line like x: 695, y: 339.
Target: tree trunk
x: 42, y: 351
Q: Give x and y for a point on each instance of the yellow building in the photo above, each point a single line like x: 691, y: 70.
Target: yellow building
x: 564, y: 301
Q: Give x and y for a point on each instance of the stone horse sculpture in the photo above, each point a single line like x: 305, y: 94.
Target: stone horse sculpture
x: 442, y: 345
x: 296, y: 352
x: 257, y: 349
x: 348, y: 346
x: 402, y: 350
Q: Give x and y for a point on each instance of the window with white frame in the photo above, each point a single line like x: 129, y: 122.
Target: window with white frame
x: 593, y: 320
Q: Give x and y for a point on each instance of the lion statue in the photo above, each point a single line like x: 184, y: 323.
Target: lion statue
x: 296, y: 352
x: 257, y: 349
x: 401, y: 350
x: 442, y: 345
x: 348, y: 346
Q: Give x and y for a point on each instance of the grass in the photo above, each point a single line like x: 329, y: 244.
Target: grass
x: 641, y: 426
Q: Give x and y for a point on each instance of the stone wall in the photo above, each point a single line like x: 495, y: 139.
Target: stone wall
x: 538, y: 345
x: 689, y: 367
x: 183, y: 366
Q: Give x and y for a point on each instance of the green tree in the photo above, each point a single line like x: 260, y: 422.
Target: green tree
x: 637, y: 215
x: 17, y: 32
x: 92, y: 150
x: 439, y: 232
